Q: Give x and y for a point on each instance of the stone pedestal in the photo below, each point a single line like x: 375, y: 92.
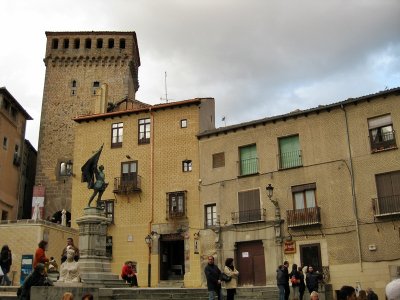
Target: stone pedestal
x: 94, y: 265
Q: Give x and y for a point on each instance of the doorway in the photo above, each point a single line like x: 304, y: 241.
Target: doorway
x: 310, y: 255
x: 251, y: 263
x: 172, y: 258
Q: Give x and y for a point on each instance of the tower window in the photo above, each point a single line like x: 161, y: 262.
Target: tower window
x: 73, y: 87
x: 110, y: 43
x: 88, y: 43
x: 99, y: 43
x: 122, y: 43
x: 77, y: 43
x: 54, y: 44
x: 66, y: 43
x: 96, y: 85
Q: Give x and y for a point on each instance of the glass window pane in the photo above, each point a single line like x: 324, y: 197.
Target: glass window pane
x: 310, y: 198
x: 125, y: 168
x: 299, y: 200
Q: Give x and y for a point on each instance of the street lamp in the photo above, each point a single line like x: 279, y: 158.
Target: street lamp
x: 277, y: 226
x: 149, y: 241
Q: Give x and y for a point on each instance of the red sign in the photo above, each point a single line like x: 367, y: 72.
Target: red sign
x: 290, y: 247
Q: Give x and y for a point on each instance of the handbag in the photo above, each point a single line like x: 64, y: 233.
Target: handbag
x: 225, y: 277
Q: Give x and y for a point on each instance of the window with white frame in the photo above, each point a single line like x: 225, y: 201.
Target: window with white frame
x: 381, y: 133
x: 117, y: 131
x: 210, y: 215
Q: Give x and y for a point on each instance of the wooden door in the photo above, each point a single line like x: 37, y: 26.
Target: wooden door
x: 251, y: 263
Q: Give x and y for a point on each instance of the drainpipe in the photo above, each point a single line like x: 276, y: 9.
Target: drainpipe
x: 353, y: 189
x: 152, y: 193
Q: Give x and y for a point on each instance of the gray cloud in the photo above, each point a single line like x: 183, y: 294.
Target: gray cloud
x: 257, y: 58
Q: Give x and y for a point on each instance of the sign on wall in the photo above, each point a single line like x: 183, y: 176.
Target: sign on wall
x: 290, y: 247
x: 38, y: 202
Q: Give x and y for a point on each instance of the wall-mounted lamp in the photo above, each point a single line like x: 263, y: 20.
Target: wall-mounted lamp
x: 196, y: 235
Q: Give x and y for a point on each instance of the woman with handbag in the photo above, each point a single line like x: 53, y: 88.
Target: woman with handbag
x: 295, y: 280
x: 233, y: 274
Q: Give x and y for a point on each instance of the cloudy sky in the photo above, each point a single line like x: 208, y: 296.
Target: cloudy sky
x: 257, y: 58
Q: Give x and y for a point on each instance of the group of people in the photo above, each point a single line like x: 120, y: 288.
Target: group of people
x: 215, y: 279
x: 300, y: 279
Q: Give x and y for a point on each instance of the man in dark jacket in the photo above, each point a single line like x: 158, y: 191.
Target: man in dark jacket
x: 312, y: 279
x: 286, y: 272
x: 371, y: 295
x: 280, y: 281
x: 213, y: 275
x: 5, y: 264
x: 36, y: 278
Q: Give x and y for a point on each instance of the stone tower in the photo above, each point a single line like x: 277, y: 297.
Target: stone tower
x: 84, y: 72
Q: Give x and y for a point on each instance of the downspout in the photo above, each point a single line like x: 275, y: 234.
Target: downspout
x: 150, y: 231
x: 353, y: 190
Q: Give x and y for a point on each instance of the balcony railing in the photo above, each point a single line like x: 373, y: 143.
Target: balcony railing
x: 289, y: 160
x: 304, y: 217
x: 127, y: 185
x: 385, y: 206
x: 386, y: 141
x: 248, y: 166
x: 248, y: 216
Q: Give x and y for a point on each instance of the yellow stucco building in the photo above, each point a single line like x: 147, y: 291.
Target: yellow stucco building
x: 150, y: 158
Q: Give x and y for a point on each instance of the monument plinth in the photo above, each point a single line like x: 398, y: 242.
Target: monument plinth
x: 95, y: 268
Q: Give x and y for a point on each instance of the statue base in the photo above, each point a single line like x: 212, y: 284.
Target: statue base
x: 94, y: 265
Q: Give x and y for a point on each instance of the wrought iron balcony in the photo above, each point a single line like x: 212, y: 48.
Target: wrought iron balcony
x: 386, y: 206
x: 248, y: 216
x: 248, y: 166
x: 127, y: 185
x: 304, y: 217
x: 289, y: 160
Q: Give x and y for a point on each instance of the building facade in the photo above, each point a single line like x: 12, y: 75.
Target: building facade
x: 150, y: 156
x: 317, y: 187
x: 13, y: 119
x: 77, y: 66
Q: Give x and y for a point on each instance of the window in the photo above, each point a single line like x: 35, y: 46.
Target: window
x: 108, y: 207
x: 96, y: 85
x: 122, y: 43
x: 218, y: 160
x: 129, y: 173
x: 66, y: 43
x: 211, y: 215
x: 17, y: 157
x: 184, y: 123
x: 187, y: 166
x: 5, y: 142
x: 144, y: 131
x: 77, y: 43
x: 381, y: 133
x: 388, y: 190
x: 54, y: 44
x: 99, y: 43
x: 117, y: 135
x: 304, y: 196
x: 110, y: 43
x: 310, y: 255
x: 4, y: 215
x: 249, y: 206
x: 73, y: 87
x: 176, y: 204
x: 65, y: 168
x: 248, y: 160
x: 88, y: 43
x: 109, y: 246
x: 289, y: 152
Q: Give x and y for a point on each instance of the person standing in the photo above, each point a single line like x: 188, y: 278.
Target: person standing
x: 213, y: 275
x: 231, y: 285
x: 280, y: 282
x: 286, y: 272
x: 295, y: 280
x: 40, y: 254
x: 312, y: 279
x: 70, y: 244
x: 302, y: 285
x: 5, y: 264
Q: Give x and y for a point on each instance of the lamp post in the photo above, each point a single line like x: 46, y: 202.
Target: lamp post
x: 149, y: 240
x: 277, y: 226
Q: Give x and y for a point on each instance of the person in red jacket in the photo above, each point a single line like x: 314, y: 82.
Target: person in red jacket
x: 40, y: 254
x: 128, y: 274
